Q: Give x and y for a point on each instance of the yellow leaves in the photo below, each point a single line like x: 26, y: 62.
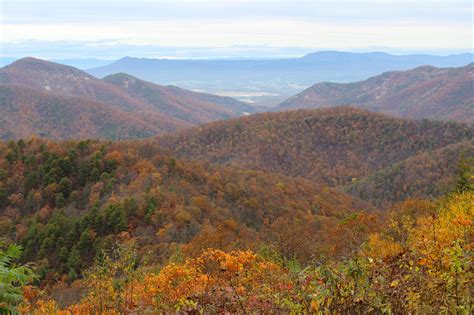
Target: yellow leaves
x: 452, y: 224
x: 46, y: 307
x: 148, y: 176
x: 280, y: 185
x: 114, y: 156
x: 213, y: 270
x: 144, y: 167
x: 380, y: 247
x: 394, y: 283
x: 161, y: 233
x: 16, y: 199
x: 183, y: 216
x: 172, y: 284
x: 241, y: 290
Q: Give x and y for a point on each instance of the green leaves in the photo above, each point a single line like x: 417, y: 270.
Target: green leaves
x: 12, y: 277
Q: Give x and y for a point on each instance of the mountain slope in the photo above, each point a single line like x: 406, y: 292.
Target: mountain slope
x: 65, y: 80
x: 186, y: 105
x: 25, y: 112
x: 90, y: 193
x: 425, y: 175
x: 272, y: 78
x: 161, y: 109
x: 424, y: 92
x: 332, y: 146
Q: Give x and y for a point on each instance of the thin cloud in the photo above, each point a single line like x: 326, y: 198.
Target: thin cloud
x: 344, y: 25
x: 274, y: 32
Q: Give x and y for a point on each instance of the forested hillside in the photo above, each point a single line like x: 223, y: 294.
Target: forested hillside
x: 25, y: 112
x: 35, y: 92
x: 333, y: 146
x: 63, y: 202
x: 189, y: 106
x: 107, y: 227
x: 422, y: 93
x: 403, y: 266
x: 51, y: 77
x: 425, y: 175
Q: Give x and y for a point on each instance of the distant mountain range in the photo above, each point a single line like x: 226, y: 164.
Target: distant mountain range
x: 423, y: 92
x: 57, y: 101
x: 268, y: 81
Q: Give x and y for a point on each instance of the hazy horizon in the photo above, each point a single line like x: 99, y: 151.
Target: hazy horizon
x: 235, y: 56
x: 200, y: 29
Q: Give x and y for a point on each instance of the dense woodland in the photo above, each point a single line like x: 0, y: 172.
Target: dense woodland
x: 63, y: 202
x: 334, y: 146
x: 425, y: 175
x: 122, y: 227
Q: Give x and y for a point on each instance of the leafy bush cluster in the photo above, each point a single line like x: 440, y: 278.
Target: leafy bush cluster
x: 420, y: 262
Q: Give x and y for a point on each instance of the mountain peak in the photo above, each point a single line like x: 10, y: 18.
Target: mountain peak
x: 28, y: 60
x: 34, y: 63
x: 126, y: 58
x: 29, y: 68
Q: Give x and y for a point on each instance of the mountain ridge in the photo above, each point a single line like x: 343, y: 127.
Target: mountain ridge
x: 332, y: 145
x: 156, y: 108
x: 423, y: 92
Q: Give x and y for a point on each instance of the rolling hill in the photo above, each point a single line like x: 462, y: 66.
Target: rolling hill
x: 150, y: 107
x: 423, y: 92
x: 334, y: 146
x: 426, y: 175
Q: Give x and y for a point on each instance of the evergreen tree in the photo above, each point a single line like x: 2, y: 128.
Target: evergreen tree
x: 465, y: 181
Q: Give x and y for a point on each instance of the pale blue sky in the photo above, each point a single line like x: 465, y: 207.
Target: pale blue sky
x: 195, y: 28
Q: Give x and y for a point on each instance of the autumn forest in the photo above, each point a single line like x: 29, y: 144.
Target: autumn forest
x: 328, y: 183
x: 125, y: 226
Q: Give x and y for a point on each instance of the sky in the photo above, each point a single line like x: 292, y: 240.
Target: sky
x: 107, y: 29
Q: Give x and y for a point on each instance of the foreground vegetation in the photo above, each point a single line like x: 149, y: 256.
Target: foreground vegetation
x: 120, y: 228
x: 421, y: 262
